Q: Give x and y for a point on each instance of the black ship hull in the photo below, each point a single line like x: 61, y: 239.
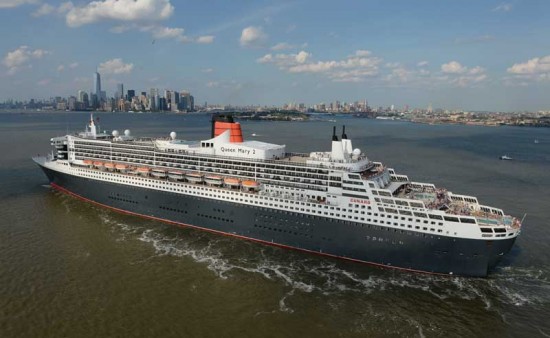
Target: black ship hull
x: 372, y: 244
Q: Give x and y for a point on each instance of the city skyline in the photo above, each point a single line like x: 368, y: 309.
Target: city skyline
x: 465, y: 55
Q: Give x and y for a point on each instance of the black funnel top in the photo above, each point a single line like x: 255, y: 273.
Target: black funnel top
x: 344, y: 136
x: 334, y: 137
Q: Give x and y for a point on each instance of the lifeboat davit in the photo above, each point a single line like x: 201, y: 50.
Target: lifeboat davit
x: 143, y: 171
x: 193, y: 177
x: 158, y: 172
x: 232, y: 182
x: 250, y: 185
x: 109, y: 166
x: 175, y: 175
x: 213, y: 180
x: 99, y: 165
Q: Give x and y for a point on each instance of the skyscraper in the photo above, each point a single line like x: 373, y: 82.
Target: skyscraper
x: 119, y: 91
x: 97, y: 85
x: 131, y: 94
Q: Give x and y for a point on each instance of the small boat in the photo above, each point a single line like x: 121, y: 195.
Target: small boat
x: 536, y: 141
x: 213, y: 180
x: 144, y: 171
x: 99, y: 165
x: 505, y: 157
x: 250, y: 185
x: 88, y: 162
x: 159, y: 173
x: 109, y: 166
x: 121, y: 167
x: 193, y: 177
x: 175, y: 175
x: 232, y: 182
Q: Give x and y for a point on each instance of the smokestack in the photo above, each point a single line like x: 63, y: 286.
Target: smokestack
x: 344, y: 136
x: 334, y: 137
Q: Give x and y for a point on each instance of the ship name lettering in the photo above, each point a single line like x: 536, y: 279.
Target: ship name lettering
x: 235, y: 150
x: 355, y: 200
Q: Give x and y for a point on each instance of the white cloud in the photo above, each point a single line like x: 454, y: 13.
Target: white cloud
x: 362, y: 52
x: 503, y: 7
x: 20, y: 58
x: 392, y: 64
x: 73, y: 65
x: 463, y: 76
x: 354, y: 68
x: 252, y: 36
x: 119, y: 10
x: 60, y: 68
x: 65, y: 7
x: 15, y: 3
x: 115, y: 66
x: 213, y: 84
x: 536, y: 69
x: 422, y: 64
x: 282, y: 46
x: 532, y: 66
x: 164, y: 32
x: 45, y: 9
x: 208, y: 70
x: 205, y: 39
x: 453, y: 67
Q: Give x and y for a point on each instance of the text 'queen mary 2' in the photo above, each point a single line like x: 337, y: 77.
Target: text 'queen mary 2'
x: 336, y: 203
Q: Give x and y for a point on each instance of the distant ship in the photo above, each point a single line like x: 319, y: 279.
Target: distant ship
x: 336, y: 203
x: 505, y: 157
x: 536, y: 141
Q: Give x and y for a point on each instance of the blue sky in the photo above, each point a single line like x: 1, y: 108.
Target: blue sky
x: 474, y: 55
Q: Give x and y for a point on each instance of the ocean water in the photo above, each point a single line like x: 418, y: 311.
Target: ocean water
x: 72, y: 269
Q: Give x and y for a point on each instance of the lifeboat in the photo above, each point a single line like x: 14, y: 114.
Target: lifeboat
x: 231, y: 182
x: 99, y: 165
x: 175, y: 175
x: 193, y: 177
x: 159, y: 173
x: 250, y: 185
x: 213, y: 180
x: 121, y: 167
x: 143, y: 171
x: 109, y: 166
x: 88, y: 162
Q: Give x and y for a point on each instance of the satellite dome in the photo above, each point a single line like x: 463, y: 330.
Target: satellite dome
x: 173, y: 135
x: 356, y: 152
x: 115, y: 133
x: 127, y: 132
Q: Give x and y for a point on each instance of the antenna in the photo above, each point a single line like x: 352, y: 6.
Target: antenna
x: 524, y: 215
x: 344, y: 136
x: 334, y: 137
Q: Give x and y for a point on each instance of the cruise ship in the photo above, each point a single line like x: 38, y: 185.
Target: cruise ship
x: 337, y: 202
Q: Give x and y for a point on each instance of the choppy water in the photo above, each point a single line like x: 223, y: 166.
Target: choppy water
x: 68, y: 268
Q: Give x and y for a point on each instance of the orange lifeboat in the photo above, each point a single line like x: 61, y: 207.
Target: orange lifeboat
x: 143, y: 171
x: 175, y: 175
x: 109, y: 165
x: 213, y: 179
x: 98, y: 164
x: 193, y: 177
x: 87, y: 162
x: 231, y: 182
x: 121, y: 167
x: 158, y: 172
x: 251, y: 185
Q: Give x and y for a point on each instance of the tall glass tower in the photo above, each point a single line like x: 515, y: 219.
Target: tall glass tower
x: 97, y: 84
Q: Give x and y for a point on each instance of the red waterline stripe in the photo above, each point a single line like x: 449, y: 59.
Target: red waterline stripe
x: 122, y: 211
